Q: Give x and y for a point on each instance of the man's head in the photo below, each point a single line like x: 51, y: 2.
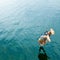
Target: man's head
x: 51, y: 32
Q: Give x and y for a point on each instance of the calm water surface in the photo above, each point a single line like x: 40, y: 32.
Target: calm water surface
x: 21, y: 24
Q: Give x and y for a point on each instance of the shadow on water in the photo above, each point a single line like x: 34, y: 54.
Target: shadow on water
x: 42, y: 56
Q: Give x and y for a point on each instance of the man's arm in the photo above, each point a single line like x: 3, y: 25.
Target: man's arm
x: 48, y: 38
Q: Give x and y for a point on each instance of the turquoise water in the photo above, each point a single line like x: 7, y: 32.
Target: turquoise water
x: 21, y: 24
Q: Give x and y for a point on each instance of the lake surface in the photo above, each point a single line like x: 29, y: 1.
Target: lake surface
x: 21, y: 24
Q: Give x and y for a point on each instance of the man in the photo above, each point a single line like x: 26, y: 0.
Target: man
x: 45, y: 38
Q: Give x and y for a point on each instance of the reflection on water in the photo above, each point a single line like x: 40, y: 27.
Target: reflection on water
x: 42, y: 56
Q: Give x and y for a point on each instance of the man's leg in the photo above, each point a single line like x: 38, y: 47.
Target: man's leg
x: 41, y: 48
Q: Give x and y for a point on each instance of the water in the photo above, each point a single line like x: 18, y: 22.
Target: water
x: 21, y: 24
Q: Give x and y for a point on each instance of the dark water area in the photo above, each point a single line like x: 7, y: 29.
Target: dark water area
x: 21, y: 24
